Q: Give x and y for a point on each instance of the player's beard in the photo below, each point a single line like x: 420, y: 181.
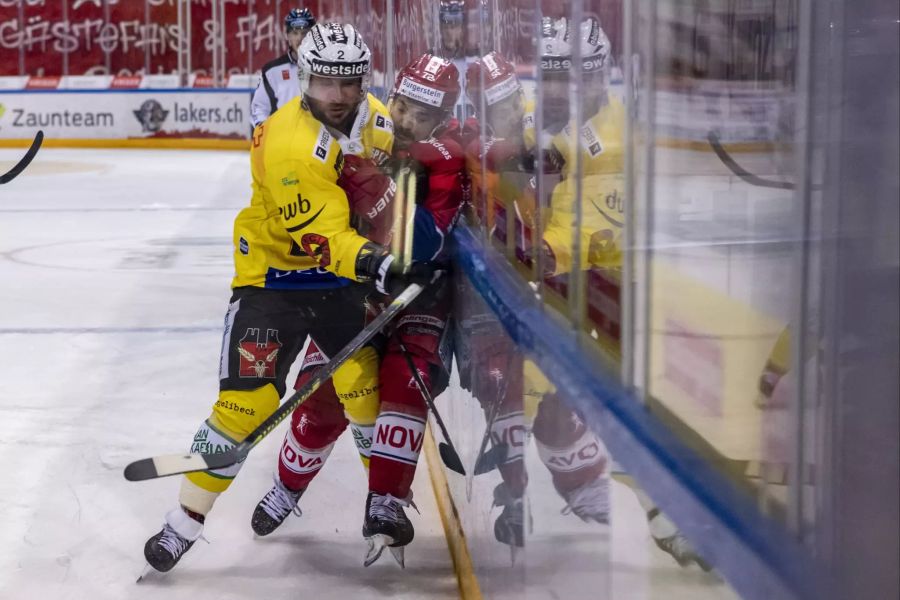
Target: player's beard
x: 452, y: 45
x: 402, y: 138
x: 556, y: 114
x: 337, y: 115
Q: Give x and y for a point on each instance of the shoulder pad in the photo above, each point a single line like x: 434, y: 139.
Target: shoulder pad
x: 376, y: 105
x: 383, y: 122
x: 435, y: 151
x: 313, y: 145
x: 379, y: 115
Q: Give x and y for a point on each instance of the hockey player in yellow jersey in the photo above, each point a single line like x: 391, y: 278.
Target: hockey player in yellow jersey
x: 600, y: 139
x: 580, y: 153
x: 300, y: 269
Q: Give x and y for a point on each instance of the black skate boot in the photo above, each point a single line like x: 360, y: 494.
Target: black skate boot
x: 274, y: 508
x: 590, y: 502
x: 673, y: 542
x: 509, y: 528
x: 386, y: 525
x: 180, y: 531
x: 682, y: 551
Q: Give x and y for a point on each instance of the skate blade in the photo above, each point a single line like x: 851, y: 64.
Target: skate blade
x: 399, y: 555
x: 148, y: 570
x: 377, y: 544
x: 704, y: 565
x: 513, y: 554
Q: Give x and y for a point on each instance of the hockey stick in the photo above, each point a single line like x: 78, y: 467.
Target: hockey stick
x: 741, y: 172
x: 26, y: 160
x: 488, y: 460
x: 446, y: 449
x: 175, y: 464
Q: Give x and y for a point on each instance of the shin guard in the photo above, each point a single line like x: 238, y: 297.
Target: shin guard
x: 400, y: 427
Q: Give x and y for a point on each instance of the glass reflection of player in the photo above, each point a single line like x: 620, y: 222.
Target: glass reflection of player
x: 452, y: 24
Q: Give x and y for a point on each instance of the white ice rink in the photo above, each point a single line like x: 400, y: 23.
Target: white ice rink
x: 115, y: 270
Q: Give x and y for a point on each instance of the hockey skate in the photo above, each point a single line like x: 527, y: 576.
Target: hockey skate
x: 386, y: 526
x: 590, y: 502
x: 165, y: 549
x: 672, y: 542
x: 682, y: 551
x: 274, y: 508
x: 509, y: 527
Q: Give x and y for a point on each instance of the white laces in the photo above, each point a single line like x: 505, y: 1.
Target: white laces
x: 590, y: 501
x: 173, y: 543
x: 388, y: 506
x: 280, y: 501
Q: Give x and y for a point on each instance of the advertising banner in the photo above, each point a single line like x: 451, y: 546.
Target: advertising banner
x: 212, y: 38
x: 737, y: 111
x: 127, y: 114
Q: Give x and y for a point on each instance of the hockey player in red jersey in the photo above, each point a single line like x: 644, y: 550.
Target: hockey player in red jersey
x: 502, y: 171
x: 502, y: 168
x: 498, y: 162
x: 425, y: 141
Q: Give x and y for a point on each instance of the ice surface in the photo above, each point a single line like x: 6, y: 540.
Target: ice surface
x: 115, y: 269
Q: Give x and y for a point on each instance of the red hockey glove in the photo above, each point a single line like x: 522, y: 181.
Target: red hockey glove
x: 371, y: 196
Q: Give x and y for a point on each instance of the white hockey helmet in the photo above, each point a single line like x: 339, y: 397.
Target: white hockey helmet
x: 334, y: 50
x: 557, y: 46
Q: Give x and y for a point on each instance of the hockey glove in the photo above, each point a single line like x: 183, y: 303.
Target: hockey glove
x: 507, y: 155
x: 554, y: 161
x: 391, y: 280
x: 371, y: 195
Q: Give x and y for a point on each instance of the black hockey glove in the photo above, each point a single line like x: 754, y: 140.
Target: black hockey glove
x: 375, y: 264
x: 391, y: 280
x: 554, y: 162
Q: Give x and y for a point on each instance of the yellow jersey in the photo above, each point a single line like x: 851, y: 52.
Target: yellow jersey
x: 296, y: 232
x: 602, y: 190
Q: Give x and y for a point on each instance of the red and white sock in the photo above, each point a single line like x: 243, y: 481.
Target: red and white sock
x: 400, y: 427
x: 315, y: 426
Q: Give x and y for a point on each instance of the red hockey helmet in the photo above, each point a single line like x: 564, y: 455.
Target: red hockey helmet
x: 493, y: 76
x: 429, y: 80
